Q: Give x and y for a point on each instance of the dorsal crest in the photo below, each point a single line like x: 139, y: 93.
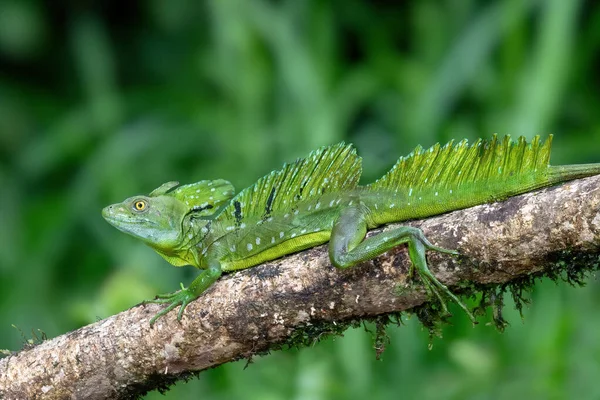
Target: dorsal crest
x: 325, y: 170
x: 453, y: 165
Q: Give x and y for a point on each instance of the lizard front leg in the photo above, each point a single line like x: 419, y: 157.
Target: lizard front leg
x: 186, y: 295
x: 348, y: 247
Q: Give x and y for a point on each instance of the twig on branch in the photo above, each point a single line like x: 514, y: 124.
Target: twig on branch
x: 553, y: 231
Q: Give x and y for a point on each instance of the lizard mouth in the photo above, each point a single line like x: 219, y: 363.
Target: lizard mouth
x: 107, y: 212
x: 116, y: 216
x: 113, y: 215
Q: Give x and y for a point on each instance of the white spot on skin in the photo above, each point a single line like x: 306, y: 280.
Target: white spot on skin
x: 273, y: 239
x: 212, y: 189
x: 450, y: 191
x: 331, y: 203
x: 317, y: 206
x: 410, y: 192
x: 258, y: 241
x: 376, y: 206
x: 249, y: 246
x: 286, y: 216
x: 436, y: 193
x: 331, y: 305
x: 293, y: 235
x: 303, y: 231
x: 243, y: 225
x: 281, y: 234
x: 296, y: 212
x: 204, y: 230
x: 392, y: 205
x: 190, y: 236
x: 232, y: 248
x: 230, y: 228
x: 197, y: 190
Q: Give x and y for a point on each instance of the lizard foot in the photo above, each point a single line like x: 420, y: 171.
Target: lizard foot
x: 179, y: 298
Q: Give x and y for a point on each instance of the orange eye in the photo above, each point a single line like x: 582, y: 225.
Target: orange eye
x: 140, y: 205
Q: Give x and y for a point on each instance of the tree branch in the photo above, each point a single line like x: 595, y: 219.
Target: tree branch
x: 550, y: 231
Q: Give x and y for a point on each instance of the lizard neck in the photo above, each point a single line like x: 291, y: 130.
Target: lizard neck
x: 192, y: 243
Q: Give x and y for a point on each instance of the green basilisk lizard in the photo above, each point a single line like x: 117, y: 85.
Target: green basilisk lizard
x: 317, y: 199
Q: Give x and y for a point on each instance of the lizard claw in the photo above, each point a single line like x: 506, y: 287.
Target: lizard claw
x: 180, y: 298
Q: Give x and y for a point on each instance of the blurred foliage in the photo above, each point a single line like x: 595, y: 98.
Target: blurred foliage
x: 102, y: 100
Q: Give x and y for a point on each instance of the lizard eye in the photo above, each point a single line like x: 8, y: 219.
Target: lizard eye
x: 140, y: 205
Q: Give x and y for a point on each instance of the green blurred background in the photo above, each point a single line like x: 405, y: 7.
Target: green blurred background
x: 103, y: 100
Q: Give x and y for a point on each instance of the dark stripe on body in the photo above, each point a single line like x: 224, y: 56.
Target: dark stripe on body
x: 198, y: 208
x: 269, y: 206
x: 237, y: 213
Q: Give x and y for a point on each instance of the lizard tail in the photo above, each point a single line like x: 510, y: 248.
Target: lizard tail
x: 563, y: 173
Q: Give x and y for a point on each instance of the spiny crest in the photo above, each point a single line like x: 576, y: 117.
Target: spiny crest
x: 204, y: 197
x: 453, y: 165
x: 325, y: 170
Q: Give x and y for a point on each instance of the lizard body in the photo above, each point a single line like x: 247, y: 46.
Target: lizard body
x: 317, y: 199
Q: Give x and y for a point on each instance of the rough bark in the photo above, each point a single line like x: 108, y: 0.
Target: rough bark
x: 257, y: 309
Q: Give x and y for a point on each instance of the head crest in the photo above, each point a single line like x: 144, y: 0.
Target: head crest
x: 204, y: 197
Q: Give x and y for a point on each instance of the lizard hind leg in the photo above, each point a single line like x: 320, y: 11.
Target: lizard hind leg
x: 348, y: 247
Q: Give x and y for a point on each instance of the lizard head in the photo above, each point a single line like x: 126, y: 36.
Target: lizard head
x: 159, y: 219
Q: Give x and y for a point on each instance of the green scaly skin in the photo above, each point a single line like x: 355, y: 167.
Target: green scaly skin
x: 317, y: 200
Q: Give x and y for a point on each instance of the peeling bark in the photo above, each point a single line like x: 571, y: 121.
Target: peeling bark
x: 259, y: 308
